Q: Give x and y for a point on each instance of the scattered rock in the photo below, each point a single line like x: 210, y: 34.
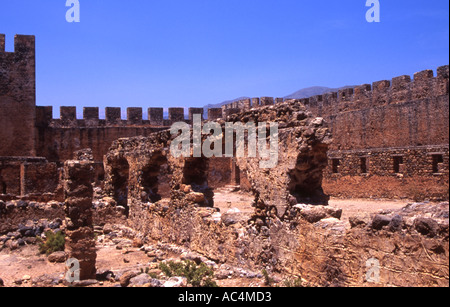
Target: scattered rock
x: 396, y: 223
x: 126, y: 277
x: 176, y: 282
x: 30, y: 240
x: 222, y: 274
x: 46, y: 281
x: 137, y: 242
x: 12, y: 245
x: 313, y: 214
x: 357, y: 222
x: 110, y: 201
x: 55, y: 224
x: 144, y: 280
x: 107, y: 229
x: 196, y: 197
x: 426, y: 226
x: 379, y: 221
x: 57, y: 257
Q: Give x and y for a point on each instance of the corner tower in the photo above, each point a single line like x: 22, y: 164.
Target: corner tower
x: 18, y: 97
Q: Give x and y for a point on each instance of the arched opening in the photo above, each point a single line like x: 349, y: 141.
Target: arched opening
x: 156, y: 179
x: 195, y: 174
x: 120, y: 175
x: 306, y: 178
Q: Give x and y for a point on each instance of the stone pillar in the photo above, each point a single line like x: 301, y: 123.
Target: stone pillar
x: 78, y: 193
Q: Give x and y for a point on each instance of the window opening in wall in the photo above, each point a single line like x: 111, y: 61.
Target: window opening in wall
x: 398, y: 162
x: 364, y: 168
x: 437, y: 159
x: 335, y: 165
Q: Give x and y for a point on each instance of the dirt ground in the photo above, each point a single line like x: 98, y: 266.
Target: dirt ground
x: 225, y: 199
x: 26, y: 263
x: 365, y: 207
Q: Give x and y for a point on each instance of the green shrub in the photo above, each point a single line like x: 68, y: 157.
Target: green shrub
x: 293, y: 283
x: 54, y: 242
x: 268, y: 281
x: 196, y: 275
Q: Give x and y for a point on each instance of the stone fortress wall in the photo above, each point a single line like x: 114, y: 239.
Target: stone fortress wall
x: 390, y: 138
x: 388, y: 141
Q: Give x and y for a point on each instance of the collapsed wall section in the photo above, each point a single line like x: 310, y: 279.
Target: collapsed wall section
x: 409, y: 245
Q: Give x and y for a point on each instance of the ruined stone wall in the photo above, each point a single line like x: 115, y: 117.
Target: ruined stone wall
x: 412, y: 250
x: 27, y: 176
x: 405, y: 118
x: 58, y: 139
x: 399, y: 129
x: 411, y: 172
x: 133, y: 165
x: 284, y: 233
x: 410, y: 245
x: 17, y: 97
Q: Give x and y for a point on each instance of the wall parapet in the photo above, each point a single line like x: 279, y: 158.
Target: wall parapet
x: 113, y: 117
x: 400, y: 89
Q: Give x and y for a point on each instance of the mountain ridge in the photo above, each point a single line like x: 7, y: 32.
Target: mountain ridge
x: 302, y: 93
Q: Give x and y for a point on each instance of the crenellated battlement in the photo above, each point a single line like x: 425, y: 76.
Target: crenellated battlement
x: 23, y: 45
x: 398, y: 90
x: 247, y: 104
x: 113, y: 117
x: 381, y: 93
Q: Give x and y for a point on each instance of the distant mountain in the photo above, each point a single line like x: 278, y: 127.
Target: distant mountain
x: 303, y: 93
x: 219, y: 105
x: 313, y: 91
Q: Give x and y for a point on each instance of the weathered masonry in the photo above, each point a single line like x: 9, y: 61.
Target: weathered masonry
x: 391, y: 138
x: 291, y: 228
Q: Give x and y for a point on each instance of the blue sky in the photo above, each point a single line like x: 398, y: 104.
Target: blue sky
x: 169, y: 53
